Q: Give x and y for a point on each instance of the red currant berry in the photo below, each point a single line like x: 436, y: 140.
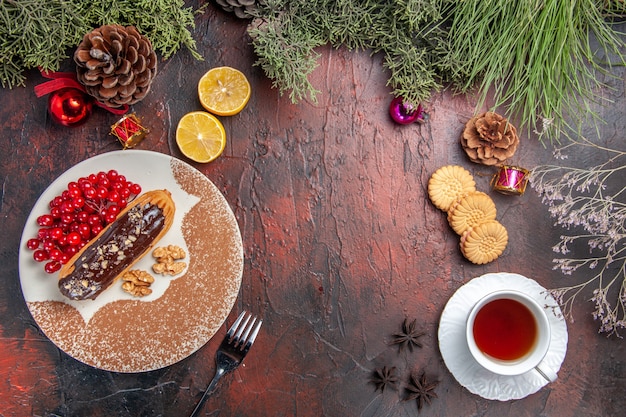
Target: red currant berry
x: 33, y: 244
x: 74, y: 192
x: 82, y: 216
x: 45, y: 220
x: 85, y: 184
x: 62, y: 241
x: 94, y: 220
x: 93, y: 178
x: 48, y: 245
x: 52, y: 267
x: 55, y: 233
x: 55, y: 212
x: 67, y: 218
x: 67, y: 207
x: 135, y: 189
x: 114, y: 196
x: 78, y: 202
x: 112, y: 175
x: 84, y: 230
x: 110, y: 218
x: 70, y: 251
x: 89, y: 192
x: 102, y: 192
x: 95, y: 229
x: 73, y: 238
x: 104, y: 182
x: 55, y: 254
x: 40, y: 255
x: 74, y: 227
x: 56, y: 201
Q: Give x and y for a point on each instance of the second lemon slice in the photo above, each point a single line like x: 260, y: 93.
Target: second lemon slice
x: 224, y: 91
x: 200, y: 136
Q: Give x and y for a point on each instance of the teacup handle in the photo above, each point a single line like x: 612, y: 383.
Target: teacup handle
x: 547, y: 373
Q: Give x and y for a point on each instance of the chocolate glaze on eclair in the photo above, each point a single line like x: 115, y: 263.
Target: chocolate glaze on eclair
x: 118, y: 246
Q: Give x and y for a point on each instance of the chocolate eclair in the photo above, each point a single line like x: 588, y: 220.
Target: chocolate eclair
x: 118, y: 246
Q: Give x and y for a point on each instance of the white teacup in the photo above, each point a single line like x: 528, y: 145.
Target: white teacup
x: 508, y: 333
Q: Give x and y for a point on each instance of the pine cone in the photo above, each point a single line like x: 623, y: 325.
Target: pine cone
x: 489, y: 139
x: 116, y: 65
x: 243, y: 9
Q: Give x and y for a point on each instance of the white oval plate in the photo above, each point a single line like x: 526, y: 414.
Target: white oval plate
x: 458, y: 358
x: 117, y: 331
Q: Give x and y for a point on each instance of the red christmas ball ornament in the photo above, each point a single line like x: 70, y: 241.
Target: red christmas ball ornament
x: 69, y: 106
x: 404, y: 112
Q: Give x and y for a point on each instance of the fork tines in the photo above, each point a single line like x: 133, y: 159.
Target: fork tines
x: 246, y: 332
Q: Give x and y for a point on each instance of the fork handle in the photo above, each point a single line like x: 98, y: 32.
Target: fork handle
x: 218, y: 374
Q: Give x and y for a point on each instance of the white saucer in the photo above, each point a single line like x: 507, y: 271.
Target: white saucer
x: 455, y: 351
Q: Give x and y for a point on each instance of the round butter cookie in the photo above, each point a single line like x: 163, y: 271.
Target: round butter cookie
x: 448, y: 184
x: 484, y: 243
x: 471, y: 210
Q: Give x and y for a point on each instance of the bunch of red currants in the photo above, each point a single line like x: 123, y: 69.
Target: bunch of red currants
x: 78, y: 214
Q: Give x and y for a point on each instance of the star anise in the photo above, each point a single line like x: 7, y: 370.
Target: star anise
x: 421, y: 390
x: 409, y: 336
x: 384, y: 377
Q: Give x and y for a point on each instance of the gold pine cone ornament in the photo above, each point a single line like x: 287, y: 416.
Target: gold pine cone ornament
x: 489, y: 139
x: 116, y: 65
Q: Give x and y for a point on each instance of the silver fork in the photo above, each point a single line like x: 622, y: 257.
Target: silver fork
x: 231, y: 352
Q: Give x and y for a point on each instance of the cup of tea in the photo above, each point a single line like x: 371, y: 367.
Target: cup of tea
x: 508, y: 333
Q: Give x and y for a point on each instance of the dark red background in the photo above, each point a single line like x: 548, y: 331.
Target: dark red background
x: 341, y: 245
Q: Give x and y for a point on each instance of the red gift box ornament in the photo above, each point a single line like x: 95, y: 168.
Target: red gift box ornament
x: 129, y: 131
x: 510, y: 180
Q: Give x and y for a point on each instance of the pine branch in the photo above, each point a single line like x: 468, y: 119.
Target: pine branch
x: 407, y: 32
x: 41, y: 34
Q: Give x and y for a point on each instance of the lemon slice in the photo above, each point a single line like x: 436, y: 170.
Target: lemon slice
x: 200, y: 136
x: 224, y: 91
